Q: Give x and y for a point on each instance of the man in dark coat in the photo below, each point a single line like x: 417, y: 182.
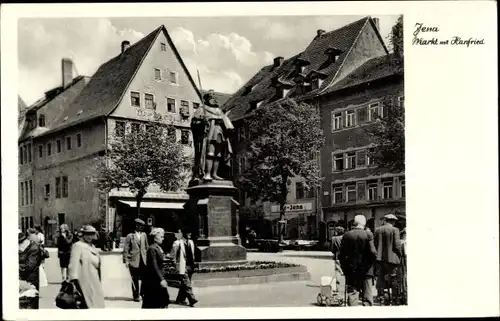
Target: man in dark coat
x: 357, y: 257
x: 135, y: 256
x: 388, y: 245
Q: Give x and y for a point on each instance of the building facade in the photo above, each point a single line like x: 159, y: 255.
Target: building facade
x: 314, y: 76
x: 144, y: 81
x: 353, y: 184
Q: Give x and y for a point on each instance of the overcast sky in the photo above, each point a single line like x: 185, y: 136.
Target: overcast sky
x: 226, y: 50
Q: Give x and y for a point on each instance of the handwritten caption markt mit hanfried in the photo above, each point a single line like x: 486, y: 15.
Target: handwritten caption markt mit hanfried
x: 420, y: 29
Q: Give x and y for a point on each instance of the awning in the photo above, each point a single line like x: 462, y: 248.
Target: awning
x: 173, y: 206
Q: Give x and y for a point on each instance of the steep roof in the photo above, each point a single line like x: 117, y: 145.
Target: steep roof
x: 109, y: 83
x: 53, y: 93
x: 371, y: 70
x: 314, y: 58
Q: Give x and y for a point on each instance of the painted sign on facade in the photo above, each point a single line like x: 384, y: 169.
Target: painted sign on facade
x: 293, y: 207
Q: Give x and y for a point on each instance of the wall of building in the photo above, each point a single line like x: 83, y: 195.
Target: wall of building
x: 78, y: 163
x: 145, y: 82
x: 356, y: 139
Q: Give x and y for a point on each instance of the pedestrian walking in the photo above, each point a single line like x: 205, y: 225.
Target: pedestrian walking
x: 30, y: 258
x: 402, y: 283
x: 134, y: 256
x: 336, y: 241
x: 85, y: 270
x: 64, y: 244
x: 39, y: 235
x: 40, y: 239
x: 357, y: 258
x: 155, y: 287
x: 183, y: 255
x: 388, y: 245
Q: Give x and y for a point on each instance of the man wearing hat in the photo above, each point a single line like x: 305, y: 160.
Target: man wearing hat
x: 134, y: 256
x: 388, y: 245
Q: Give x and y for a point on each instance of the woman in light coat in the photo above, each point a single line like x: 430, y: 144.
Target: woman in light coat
x: 85, y: 269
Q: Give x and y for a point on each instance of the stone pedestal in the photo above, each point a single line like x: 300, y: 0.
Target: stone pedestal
x: 216, y: 216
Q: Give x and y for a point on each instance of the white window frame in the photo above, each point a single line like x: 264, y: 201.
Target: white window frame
x: 154, y: 101
x: 170, y: 72
x: 159, y: 73
x: 370, y: 187
x: 375, y: 107
x: 387, y: 184
x: 335, y: 157
x: 175, y: 106
x: 402, y: 187
x: 350, y: 157
x: 336, y: 121
x: 131, y: 94
x: 350, y: 121
x: 350, y: 189
x: 337, y: 190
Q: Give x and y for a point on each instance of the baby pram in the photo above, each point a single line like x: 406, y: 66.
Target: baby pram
x: 330, y: 294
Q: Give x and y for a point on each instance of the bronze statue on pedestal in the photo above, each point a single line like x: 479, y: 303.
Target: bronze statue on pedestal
x: 210, y: 128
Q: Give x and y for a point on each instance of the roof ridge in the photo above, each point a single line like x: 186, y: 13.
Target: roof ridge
x: 157, y: 31
x: 345, y: 26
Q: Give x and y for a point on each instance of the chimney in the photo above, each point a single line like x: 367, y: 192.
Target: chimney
x: 278, y: 61
x: 377, y: 23
x: 67, y: 72
x: 320, y: 32
x: 125, y: 45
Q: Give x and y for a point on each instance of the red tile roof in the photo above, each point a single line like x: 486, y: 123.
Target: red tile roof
x: 314, y: 56
x: 108, y: 85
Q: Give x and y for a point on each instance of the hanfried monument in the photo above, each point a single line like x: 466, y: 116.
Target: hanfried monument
x: 211, y: 190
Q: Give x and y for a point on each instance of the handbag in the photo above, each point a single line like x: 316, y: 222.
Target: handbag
x: 69, y: 297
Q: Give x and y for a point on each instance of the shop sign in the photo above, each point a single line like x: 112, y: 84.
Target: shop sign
x: 293, y: 207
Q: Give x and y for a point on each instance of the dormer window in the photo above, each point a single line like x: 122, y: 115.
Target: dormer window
x: 333, y: 54
x: 41, y: 120
x: 300, y: 65
x: 316, y: 83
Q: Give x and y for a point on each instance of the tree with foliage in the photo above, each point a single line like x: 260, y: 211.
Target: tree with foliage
x: 388, y: 132
x: 397, y: 44
x: 140, y: 158
x: 282, y: 139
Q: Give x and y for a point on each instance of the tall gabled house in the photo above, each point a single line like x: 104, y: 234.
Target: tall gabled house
x: 142, y: 82
x: 329, y: 59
